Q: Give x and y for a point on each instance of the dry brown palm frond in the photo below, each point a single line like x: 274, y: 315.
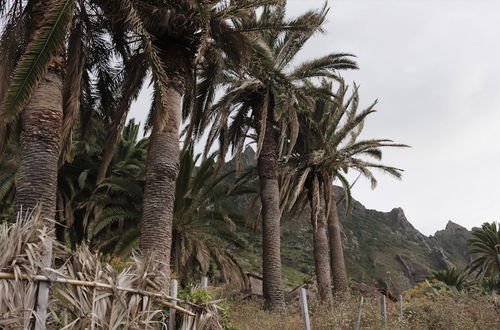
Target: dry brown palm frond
x: 21, y: 253
x: 74, y: 307
x: 208, y: 318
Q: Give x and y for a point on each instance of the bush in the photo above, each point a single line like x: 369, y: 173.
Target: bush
x: 448, y: 311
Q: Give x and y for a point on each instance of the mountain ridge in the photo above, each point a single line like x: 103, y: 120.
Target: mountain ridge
x: 381, y: 248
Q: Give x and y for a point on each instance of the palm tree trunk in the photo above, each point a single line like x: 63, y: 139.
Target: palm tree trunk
x: 339, y: 273
x: 39, y: 143
x: 39, y: 146
x: 320, y: 245
x: 162, y: 169
x: 267, y: 167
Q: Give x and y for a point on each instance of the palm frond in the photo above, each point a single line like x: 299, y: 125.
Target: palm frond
x: 37, y: 58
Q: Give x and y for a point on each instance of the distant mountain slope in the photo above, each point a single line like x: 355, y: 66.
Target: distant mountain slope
x: 381, y: 248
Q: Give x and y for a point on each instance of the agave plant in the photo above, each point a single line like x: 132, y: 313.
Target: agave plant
x: 451, y: 277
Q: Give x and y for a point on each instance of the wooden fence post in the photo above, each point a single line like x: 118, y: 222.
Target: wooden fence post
x: 42, y: 301
x: 204, y: 282
x: 304, y: 308
x: 383, y: 310
x: 173, y: 293
x: 360, y: 313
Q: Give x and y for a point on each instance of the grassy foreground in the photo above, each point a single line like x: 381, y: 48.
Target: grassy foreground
x: 446, y: 311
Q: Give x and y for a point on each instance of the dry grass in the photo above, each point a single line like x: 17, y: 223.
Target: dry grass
x: 445, y: 312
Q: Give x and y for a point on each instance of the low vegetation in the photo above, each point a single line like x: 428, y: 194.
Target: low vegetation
x: 446, y: 311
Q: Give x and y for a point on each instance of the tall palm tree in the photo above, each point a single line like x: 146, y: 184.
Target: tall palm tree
x: 265, y: 97
x: 177, y: 33
x: 202, y: 229
x: 329, y: 144
x: 35, y: 91
x: 50, y: 75
x: 485, y: 247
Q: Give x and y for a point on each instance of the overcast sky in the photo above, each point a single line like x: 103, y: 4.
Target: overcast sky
x: 435, y: 68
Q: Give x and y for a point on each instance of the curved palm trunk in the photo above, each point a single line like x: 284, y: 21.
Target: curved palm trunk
x: 320, y: 245
x: 269, y: 194
x: 339, y: 273
x: 162, y: 169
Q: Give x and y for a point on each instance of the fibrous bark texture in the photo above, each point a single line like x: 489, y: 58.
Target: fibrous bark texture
x: 39, y: 146
x: 321, y: 249
x: 339, y: 273
x: 159, y: 191
x: 271, y: 215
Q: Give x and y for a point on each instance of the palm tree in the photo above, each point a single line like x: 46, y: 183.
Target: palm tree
x: 8, y: 167
x: 174, y: 35
x: 35, y: 91
x: 202, y: 229
x: 485, y: 247
x: 265, y: 97
x: 201, y: 225
x: 311, y: 191
x: 50, y: 76
x: 328, y: 145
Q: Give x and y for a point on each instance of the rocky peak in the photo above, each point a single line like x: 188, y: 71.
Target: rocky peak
x: 398, y: 218
x: 452, y: 226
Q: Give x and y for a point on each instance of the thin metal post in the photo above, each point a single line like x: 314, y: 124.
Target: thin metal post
x: 360, y: 313
x: 383, y: 310
x: 304, y: 308
x: 204, y: 282
x: 173, y: 293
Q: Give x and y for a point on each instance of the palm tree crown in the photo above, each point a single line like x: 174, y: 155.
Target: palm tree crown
x: 485, y: 247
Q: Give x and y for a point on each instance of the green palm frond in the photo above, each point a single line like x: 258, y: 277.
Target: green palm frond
x: 342, y: 133
x: 347, y: 191
x: 6, y: 184
x: 133, y: 21
x: 38, y: 57
x: 328, y: 143
x: 324, y: 66
x: 485, y: 247
x: 111, y: 215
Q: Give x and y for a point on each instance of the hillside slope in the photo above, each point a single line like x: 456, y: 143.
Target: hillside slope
x: 381, y: 248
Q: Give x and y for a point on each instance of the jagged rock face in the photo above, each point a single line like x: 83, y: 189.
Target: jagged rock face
x: 452, y: 242
x: 384, y: 249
